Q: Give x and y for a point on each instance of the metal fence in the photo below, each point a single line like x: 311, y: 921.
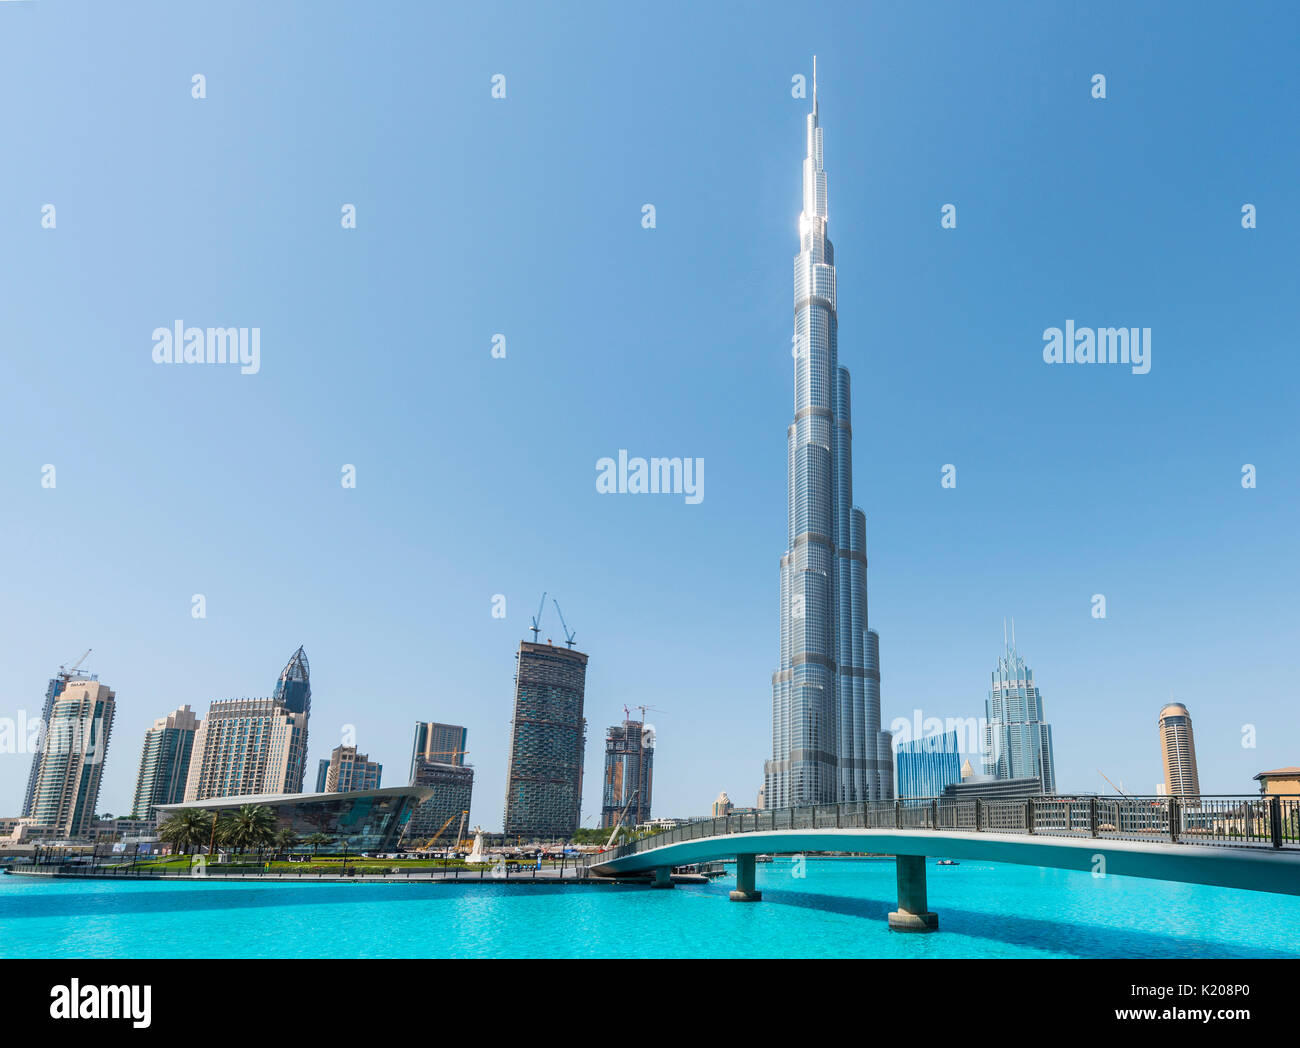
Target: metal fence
x: 499, y: 872
x: 1245, y: 821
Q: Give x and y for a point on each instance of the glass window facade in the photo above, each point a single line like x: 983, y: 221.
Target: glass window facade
x: 827, y: 745
x: 926, y: 767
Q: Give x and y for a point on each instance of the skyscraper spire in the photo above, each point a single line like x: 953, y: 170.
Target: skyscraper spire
x: 827, y: 745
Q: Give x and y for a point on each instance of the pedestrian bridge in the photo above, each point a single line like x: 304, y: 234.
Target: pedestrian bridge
x: 1231, y: 842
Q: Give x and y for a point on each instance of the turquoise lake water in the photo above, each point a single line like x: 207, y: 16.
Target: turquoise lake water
x: 837, y: 910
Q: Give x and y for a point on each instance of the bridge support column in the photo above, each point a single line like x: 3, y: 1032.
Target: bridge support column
x: 663, y: 877
x: 745, y: 890
x: 913, y: 914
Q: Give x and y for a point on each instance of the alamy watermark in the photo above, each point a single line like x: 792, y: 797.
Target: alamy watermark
x: 655, y: 476
x: 1098, y: 346
x: 972, y: 738
x: 23, y: 735
x: 179, y: 344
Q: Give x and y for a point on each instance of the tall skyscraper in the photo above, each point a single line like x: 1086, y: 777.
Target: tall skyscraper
x: 1017, y: 742
x: 826, y: 739
x: 249, y: 746
x: 440, y: 743
x: 322, y: 770
x: 548, y: 737
x: 72, y: 759
x: 927, y: 766
x: 629, y: 773
x: 1178, y: 750
x: 350, y: 770
x: 51, y: 693
x: 165, y: 762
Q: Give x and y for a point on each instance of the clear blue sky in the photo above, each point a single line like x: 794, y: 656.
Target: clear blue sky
x: 522, y: 216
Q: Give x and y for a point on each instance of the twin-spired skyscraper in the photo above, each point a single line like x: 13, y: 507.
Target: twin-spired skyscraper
x: 827, y: 744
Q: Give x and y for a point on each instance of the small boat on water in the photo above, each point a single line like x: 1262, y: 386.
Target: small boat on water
x: 762, y: 858
x: 947, y: 862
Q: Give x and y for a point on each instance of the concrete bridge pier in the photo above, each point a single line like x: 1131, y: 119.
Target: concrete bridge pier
x: 745, y: 890
x: 913, y: 914
x: 663, y: 877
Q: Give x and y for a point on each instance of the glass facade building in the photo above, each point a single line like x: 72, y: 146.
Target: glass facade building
x: 51, y: 693
x: 548, y: 737
x: 1017, y: 742
x: 72, y: 759
x: 294, y: 686
x: 926, y: 767
x: 827, y: 745
x: 629, y: 773
x: 364, y: 820
x: 164, y: 762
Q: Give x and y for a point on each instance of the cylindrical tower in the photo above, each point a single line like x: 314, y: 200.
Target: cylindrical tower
x: 1178, y: 751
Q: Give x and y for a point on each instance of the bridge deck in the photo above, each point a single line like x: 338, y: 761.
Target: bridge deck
x: 1247, y: 843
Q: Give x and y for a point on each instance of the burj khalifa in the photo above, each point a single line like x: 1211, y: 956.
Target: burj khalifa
x: 827, y: 745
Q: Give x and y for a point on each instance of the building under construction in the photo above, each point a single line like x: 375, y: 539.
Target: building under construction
x: 629, y: 773
x: 548, y: 737
x: 440, y: 815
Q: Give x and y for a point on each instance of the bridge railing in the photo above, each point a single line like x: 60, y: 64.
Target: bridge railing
x: 1246, y: 821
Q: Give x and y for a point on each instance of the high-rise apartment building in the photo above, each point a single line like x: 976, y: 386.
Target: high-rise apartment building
x: 722, y: 807
x: 1017, y: 741
x: 927, y: 766
x: 1178, y: 751
x: 548, y: 737
x: 249, y: 746
x: 440, y: 743
x: 51, y: 693
x: 349, y: 770
x: 72, y: 759
x: 165, y: 762
x: 629, y: 773
x: 826, y: 740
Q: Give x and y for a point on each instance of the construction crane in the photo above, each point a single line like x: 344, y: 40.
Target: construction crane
x: 537, y: 619
x: 619, y: 824
x: 568, y: 634
x: 444, y: 753
x: 66, y: 674
x: 428, y: 845
x: 1112, y: 785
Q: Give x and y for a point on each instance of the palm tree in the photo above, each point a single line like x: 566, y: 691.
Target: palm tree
x: 285, y: 840
x: 248, y: 826
x: 186, y: 829
x: 317, y: 840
